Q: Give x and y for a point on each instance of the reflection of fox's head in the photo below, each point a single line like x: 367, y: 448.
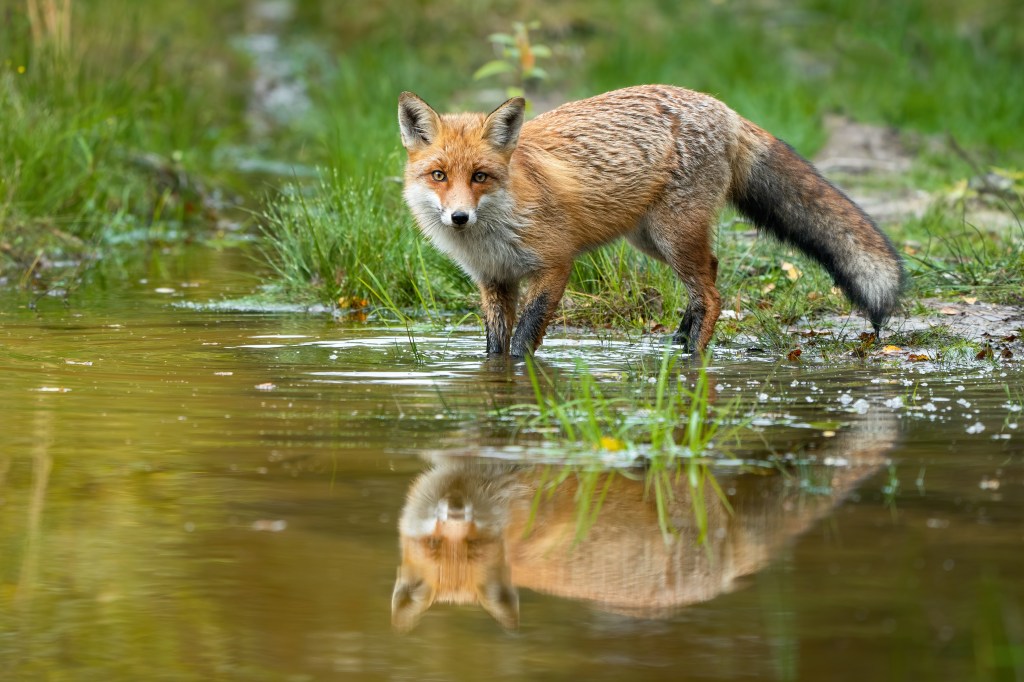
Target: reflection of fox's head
x: 453, y: 547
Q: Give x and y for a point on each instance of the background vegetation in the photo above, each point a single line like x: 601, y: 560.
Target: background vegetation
x: 142, y: 127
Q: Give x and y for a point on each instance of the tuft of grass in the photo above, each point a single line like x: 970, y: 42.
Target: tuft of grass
x: 670, y: 427
x: 962, y: 258
x: 348, y: 239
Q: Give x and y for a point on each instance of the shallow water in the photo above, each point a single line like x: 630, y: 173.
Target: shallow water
x: 195, y: 494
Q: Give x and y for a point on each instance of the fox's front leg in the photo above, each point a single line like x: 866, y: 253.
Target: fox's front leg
x: 542, y: 299
x: 498, y: 300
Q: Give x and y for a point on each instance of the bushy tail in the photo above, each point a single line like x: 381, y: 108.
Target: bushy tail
x: 786, y: 196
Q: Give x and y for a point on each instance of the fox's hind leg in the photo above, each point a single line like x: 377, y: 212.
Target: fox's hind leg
x: 687, y: 331
x: 697, y: 267
x: 681, y: 236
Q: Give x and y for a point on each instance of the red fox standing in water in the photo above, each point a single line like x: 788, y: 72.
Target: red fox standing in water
x: 510, y: 201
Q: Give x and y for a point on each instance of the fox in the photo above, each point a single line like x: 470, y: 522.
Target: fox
x: 476, y: 531
x: 514, y: 201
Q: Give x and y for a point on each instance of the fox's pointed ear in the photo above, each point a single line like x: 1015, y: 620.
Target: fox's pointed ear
x: 418, y: 123
x: 502, y: 126
x: 410, y: 600
x: 500, y: 599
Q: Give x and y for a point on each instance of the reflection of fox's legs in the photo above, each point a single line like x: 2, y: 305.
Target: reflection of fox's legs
x: 452, y: 538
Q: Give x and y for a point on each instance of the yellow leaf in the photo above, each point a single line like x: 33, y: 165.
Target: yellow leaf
x: 792, y: 272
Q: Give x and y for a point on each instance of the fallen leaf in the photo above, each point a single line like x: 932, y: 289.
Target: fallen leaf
x: 792, y: 272
x: 658, y: 328
x: 984, y: 354
x: 947, y: 310
x: 768, y: 288
x: 891, y: 350
x: 969, y: 300
x: 917, y: 357
x: 794, y: 355
x: 1006, y: 354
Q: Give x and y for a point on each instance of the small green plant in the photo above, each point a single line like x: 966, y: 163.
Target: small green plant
x: 518, y: 59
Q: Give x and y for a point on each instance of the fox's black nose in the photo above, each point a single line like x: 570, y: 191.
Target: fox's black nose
x: 460, y: 217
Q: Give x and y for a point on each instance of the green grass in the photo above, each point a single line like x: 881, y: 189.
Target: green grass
x: 116, y: 135
x: 346, y: 240
x: 958, y: 257
x: 131, y: 135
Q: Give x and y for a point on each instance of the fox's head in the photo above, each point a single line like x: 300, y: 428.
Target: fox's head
x: 453, y: 551
x: 458, y: 163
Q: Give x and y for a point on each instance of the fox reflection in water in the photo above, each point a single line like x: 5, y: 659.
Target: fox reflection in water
x: 469, y: 533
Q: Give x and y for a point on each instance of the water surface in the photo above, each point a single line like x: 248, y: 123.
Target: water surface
x: 196, y: 494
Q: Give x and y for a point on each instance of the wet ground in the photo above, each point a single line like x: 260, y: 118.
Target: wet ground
x: 189, y: 493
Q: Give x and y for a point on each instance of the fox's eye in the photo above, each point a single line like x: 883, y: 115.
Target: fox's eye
x: 479, y: 176
x: 438, y: 175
